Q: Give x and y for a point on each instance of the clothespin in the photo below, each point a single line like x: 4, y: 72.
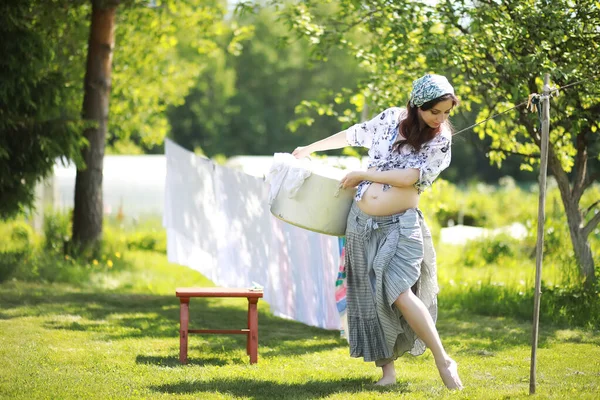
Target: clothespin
x: 529, y: 101
x: 532, y: 102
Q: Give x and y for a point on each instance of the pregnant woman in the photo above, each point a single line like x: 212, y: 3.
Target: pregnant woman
x: 390, y: 259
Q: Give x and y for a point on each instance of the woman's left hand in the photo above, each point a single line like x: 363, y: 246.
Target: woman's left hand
x: 352, y: 179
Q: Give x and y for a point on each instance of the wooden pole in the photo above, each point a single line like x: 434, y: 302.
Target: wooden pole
x: 539, y: 248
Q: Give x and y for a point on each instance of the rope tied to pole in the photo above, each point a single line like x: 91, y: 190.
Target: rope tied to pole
x: 533, y: 103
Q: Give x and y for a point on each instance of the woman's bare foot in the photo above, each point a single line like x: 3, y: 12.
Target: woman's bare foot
x: 387, y: 380
x: 449, y: 374
x: 389, y: 375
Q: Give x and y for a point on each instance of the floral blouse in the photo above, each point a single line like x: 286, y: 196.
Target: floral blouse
x: 380, y: 133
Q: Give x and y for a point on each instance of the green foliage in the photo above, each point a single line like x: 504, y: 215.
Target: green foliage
x: 245, y: 99
x: 499, y: 207
x: 334, y: 29
x: 41, y: 81
x: 561, y: 305
x: 146, y: 234
x: 159, y: 53
x: 495, y: 55
x: 200, y: 122
x: 21, y: 235
x: 477, y: 253
x: 479, y: 204
x: 494, y: 275
x: 57, y: 232
x: 571, y: 305
x: 150, y: 241
x: 514, y: 43
x: 50, y: 258
x: 16, y: 248
x: 36, y: 124
x: 9, y: 260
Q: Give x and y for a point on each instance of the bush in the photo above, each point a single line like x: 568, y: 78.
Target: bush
x: 27, y: 257
x: 562, y: 305
x: 151, y: 241
x: 9, y: 261
x: 43, y: 267
x: 491, y: 250
x: 479, y: 204
x: 22, y: 234
x: 571, y: 305
x: 15, y: 251
x: 57, y: 232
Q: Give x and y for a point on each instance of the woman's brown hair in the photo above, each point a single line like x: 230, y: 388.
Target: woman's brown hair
x: 411, y: 130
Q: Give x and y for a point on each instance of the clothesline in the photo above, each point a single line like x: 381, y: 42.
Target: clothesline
x: 526, y: 102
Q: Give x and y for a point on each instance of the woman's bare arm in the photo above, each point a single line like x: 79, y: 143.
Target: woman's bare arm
x: 395, y: 177
x: 336, y: 141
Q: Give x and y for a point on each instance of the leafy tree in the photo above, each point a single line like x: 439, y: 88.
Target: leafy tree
x: 495, y: 54
x: 201, y: 122
x: 39, y: 119
x: 245, y: 99
x: 149, y: 76
x: 55, y: 104
x: 509, y: 46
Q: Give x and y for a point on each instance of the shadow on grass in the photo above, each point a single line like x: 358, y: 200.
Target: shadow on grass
x: 122, y: 315
x: 174, y: 361
x: 484, y: 335
x: 264, y: 390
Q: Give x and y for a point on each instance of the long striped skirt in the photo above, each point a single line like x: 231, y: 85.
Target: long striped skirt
x: 386, y: 256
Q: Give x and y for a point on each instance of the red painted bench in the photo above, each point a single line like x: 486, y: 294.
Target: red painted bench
x: 185, y: 294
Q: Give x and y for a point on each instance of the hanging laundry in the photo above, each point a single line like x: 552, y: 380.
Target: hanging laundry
x: 341, y: 288
x: 218, y: 222
x: 302, y: 273
x: 190, y: 207
x: 288, y: 173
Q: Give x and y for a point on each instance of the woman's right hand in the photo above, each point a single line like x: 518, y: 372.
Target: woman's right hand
x: 301, y: 152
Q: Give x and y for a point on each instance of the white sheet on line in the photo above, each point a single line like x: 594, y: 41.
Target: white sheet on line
x: 218, y: 222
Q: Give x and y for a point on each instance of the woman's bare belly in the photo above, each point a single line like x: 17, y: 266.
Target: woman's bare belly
x: 376, y: 201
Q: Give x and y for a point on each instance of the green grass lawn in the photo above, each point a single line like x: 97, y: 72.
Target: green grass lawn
x: 118, y: 338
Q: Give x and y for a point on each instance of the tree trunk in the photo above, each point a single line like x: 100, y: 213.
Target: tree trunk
x: 87, y: 214
x: 583, y: 254
x: 581, y: 245
x: 579, y: 240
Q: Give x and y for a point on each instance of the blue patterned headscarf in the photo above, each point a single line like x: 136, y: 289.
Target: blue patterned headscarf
x: 429, y: 87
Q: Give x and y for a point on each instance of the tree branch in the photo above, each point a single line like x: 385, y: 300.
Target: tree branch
x: 106, y: 3
x: 580, y: 162
x: 346, y: 27
x: 591, y: 225
x: 587, y: 210
x: 580, y: 168
x: 513, y: 152
x: 528, y: 126
x: 454, y: 20
x: 591, y: 179
x: 562, y: 180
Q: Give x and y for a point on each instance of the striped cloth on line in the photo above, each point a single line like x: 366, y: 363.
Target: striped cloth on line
x: 340, y: 290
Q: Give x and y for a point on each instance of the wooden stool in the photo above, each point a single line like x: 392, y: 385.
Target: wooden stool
x: 251, y: 331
